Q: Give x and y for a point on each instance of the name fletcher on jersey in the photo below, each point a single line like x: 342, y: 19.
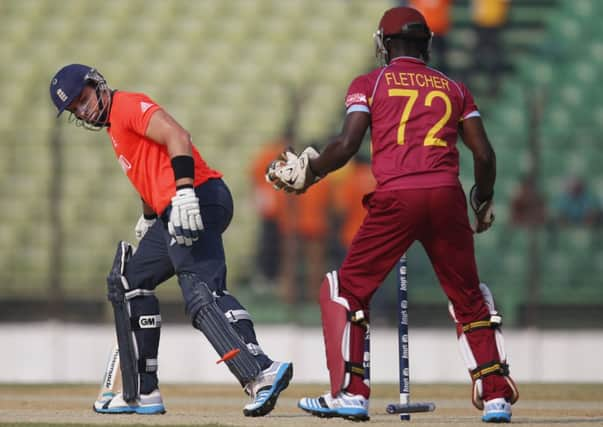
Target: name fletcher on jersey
x: 416, y: 79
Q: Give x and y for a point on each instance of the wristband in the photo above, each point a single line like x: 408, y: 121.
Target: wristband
x: 149, y: 217
x: 184, y: 167
x: 180, y: 187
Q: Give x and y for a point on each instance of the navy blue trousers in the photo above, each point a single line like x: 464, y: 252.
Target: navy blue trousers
x: 159, y: 257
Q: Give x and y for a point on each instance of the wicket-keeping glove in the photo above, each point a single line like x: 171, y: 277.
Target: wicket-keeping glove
x: 293, y: 173
x: 142, y: 226
x: 483, y: 209
x: 185, y: 222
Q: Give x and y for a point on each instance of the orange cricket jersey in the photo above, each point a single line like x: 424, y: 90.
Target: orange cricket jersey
x: 146, y: 162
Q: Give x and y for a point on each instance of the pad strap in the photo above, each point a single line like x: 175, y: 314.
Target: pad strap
x: 490, y: 368
x: 358, y: 317
x: 495, y: 321
x: 355, y: 368
x: 254, y: 349
x: 234, y: 316
x: 135, y: 293
x: 147, y: 365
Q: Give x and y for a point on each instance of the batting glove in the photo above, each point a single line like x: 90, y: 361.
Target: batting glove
x: 483, y: 209
x: 142, y: 226
x: 291, y: 172
x: 185, y: 222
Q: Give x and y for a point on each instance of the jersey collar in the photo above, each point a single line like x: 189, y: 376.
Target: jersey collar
x: 406, y: 59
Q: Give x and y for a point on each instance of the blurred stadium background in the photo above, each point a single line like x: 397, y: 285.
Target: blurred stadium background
x: 228, y: 72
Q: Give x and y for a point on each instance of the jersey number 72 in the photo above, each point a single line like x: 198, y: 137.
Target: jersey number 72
x: 412, y: 95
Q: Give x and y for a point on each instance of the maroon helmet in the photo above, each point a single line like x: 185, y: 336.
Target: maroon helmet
x: 400, y: 23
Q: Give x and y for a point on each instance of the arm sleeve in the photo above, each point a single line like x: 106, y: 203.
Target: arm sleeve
x: 469, y: 109
x: 358, y: 96
x: 139, y: 111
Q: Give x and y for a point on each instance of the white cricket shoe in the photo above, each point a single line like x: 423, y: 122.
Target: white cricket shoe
x: 265, y: 389
x: 497, y: 411
x: 345, y: 405
x: 114, y: 403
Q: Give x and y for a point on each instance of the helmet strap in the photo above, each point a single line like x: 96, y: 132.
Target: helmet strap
x: 380, y: 50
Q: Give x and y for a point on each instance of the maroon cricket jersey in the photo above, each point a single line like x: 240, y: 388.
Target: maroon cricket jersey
x: 415, y: 112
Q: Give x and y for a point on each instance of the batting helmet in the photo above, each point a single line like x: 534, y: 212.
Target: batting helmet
x: 68, y: 83
x: 400, y: 23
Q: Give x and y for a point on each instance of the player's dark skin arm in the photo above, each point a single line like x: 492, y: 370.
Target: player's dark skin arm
x: 484, y: 160
x: 342, y: 147
x: 165, y: 130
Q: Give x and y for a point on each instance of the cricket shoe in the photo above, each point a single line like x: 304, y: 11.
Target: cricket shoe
x: 114, y: 403
x: 265, y: 389
x: 352, y: 407
x: 497, y: 411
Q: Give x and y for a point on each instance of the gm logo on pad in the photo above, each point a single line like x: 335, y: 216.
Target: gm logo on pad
x: 150, y: 321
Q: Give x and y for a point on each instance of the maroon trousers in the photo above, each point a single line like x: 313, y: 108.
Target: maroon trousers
x: 436, y: 217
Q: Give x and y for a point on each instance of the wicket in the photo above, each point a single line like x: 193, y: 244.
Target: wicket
x: 405, y: 407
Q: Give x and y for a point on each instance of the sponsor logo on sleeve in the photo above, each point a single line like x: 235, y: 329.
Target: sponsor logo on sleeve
x: 125, y: 164
x: 355, y: 98
x: 144, y: 106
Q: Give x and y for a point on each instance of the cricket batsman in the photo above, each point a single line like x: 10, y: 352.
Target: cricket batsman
x: 186, y: 207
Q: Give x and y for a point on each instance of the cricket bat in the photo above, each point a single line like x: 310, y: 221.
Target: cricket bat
x: 111, y: 383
